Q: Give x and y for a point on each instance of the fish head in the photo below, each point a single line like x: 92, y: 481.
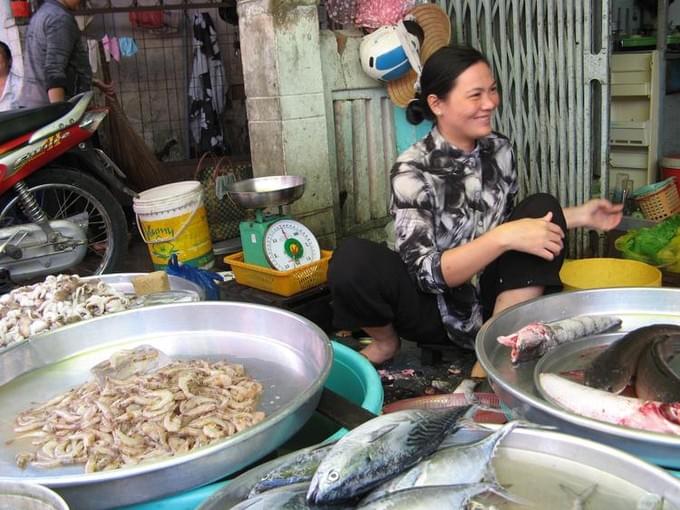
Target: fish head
x: 526, y: 343
x: 337, y: 475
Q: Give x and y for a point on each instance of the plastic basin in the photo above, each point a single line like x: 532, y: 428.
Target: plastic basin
x: 598, y: 273
x: 351, y: 376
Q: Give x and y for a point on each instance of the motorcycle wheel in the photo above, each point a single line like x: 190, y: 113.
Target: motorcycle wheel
x: 64, y: 192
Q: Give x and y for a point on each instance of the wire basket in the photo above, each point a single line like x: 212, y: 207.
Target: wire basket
x: 658, y: 201
x: 283, y: 283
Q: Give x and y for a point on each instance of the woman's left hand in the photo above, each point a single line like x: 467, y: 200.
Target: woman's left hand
x: 601, y: 214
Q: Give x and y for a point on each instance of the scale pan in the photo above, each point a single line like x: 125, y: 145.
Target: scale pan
x: 264, y: 192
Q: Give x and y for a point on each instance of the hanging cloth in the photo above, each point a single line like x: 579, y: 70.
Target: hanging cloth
x: 206, y: 87
x: 341, y: 11
x: 128, y: 46
x: 377, y: 13
x: 93, y: 54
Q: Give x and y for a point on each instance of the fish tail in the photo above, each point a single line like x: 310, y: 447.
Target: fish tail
x: 434, y: 426
x: 506, y: 496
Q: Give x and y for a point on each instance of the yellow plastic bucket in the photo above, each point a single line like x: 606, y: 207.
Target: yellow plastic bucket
x: 608, y: 272
x: 172, y: 219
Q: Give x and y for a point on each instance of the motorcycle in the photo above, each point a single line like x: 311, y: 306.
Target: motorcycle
x: 58, y: 211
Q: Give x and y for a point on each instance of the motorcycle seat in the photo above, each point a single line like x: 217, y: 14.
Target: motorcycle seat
x: 14, y: 123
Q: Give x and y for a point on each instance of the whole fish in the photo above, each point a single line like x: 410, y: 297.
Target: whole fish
x: 654, y: 378
x: 298, y: 468
x: 614, y: 367
x: 438, y: 497
x: 238, y: 489
x: 379, y: 449
x: 608, y: 407
x: 466, y: 463
x: 535, y: 339
x: 290, y: 497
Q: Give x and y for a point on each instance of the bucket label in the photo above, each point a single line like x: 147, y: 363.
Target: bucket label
x: 192, y: 245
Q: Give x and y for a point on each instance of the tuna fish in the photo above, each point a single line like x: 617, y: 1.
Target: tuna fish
x: 435, y: 496
x: 535, y: 339
x: 614, y: 367
x: 467, y: 463
x: 290, y: 497
x: 296, y: 469
x: 608, y: 407
x: 379, y: 449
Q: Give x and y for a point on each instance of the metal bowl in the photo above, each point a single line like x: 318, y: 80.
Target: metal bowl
x: 262, y: 192
x: 637, y: 307
x: 29, y: 496
x: 288, y: 354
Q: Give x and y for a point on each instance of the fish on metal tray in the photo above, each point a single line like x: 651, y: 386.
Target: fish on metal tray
x: 608, y: 407
x: 379, y: 449
x: 437, y: 497
x: 535, y: 339
x: 297, y: 469
x: 654, y: 377
x: 614, y: 367
x: 238, y: 489
x: 465, y: 463
x: 290, y: 497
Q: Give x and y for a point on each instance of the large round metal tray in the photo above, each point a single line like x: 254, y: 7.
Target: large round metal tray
x: 288, y: 354
x: 637, y: 307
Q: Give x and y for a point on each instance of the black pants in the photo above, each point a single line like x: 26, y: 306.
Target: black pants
x: 370, y: 286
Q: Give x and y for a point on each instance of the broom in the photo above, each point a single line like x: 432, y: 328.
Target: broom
x: 126, y: 147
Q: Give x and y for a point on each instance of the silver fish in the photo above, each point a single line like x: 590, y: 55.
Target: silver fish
x: 238, y: 489
x: 467, y: 463
x: 535, y: 339
x: 379, y: 449
x: 298, y: 468
x: 438, y: 497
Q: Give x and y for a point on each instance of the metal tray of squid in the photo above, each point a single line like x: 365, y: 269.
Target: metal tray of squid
x: 515, y: 386
x: 288, y: 354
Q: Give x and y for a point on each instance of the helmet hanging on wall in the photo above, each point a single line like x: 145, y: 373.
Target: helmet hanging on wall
x: 382, y: 52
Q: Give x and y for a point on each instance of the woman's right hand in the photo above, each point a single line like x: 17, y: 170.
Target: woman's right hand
x: 536, y: 236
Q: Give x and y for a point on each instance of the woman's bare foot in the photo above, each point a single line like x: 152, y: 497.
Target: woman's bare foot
x: 380, y: 351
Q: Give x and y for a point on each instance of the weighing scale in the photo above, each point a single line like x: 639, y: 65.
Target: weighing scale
x: 274, y: 241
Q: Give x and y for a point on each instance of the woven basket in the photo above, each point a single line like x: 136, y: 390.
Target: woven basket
x: 659, y: 201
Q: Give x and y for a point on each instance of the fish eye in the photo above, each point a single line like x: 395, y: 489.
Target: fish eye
x: 333, y: 476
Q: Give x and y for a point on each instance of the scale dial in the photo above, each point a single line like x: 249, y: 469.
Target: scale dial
x: 289, y: 244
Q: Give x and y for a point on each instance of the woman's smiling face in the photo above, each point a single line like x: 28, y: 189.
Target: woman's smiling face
x: 465, y: 114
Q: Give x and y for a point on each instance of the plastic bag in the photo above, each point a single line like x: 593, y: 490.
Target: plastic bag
x: 205, y: 279
x: 658, y: 245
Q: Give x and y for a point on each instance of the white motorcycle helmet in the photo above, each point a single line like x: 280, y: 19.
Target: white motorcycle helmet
x: 383, y: 54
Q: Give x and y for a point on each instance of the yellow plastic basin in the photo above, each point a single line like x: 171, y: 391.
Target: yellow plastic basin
x: 608, y: 272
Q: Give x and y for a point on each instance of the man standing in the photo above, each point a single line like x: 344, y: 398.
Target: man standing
x: 56, y: 66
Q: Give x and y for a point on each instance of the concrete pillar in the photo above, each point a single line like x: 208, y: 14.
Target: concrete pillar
x: 284, y: 88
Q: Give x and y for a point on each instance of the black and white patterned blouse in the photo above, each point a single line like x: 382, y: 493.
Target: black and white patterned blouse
x: 442, y: 198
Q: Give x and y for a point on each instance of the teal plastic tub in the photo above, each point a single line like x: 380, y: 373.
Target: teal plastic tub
x: 351, y: 375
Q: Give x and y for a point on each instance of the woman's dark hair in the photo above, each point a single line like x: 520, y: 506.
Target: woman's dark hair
x: 4, y: 49
x: 439, y: 78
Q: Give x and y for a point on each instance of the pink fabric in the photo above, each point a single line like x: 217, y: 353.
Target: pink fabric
x: 341, y: 11
x: 377, y: 13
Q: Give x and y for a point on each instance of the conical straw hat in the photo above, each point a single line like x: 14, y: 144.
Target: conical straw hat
x: 436, y: 26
